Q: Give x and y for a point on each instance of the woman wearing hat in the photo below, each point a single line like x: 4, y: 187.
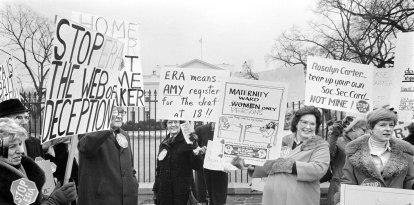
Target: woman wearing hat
x: 342, y: 133
x: 14, y: 165
x: 378, y: 159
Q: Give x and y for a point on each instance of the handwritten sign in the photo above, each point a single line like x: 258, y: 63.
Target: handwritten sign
x: 382, y: 88
x: 403, y: 78
x: 354, y: 194
x: 131, y: 86
x: 339, y: 85
x: 83, y: 84
x: 24, y: 191
x: 251, y: 119
x: 8, y: 83
x: 190, y: 93
x: 212, y: 161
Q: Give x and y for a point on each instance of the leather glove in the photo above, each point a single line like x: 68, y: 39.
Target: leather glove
x: 337, y: 128
x: 238, y: 162
x: 279, y: 165
x: 64, y: 194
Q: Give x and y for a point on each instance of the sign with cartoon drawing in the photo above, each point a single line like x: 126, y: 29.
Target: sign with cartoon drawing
x: 251, y: 120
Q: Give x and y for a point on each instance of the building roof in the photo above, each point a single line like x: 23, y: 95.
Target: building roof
x: 197, y: 63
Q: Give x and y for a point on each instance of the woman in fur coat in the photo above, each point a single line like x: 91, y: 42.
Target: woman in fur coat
x: 378, y: 159
x: 14, y: 165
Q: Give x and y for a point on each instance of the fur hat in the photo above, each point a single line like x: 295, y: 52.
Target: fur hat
x: 12, y: 106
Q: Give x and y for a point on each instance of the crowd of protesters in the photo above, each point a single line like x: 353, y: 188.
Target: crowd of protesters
x: 358, y: 151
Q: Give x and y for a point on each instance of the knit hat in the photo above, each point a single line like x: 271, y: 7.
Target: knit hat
x: 380, y: 114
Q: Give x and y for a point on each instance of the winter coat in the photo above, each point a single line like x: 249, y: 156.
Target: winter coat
x: 34, y: 148
x: 360, y: 170
x: 312, y: 161
x: 174, y: 173
x: 106, y: 174
x: 337, y: 151
x: 34, y: 173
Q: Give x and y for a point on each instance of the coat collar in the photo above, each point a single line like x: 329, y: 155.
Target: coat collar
x: 8, y: 174
x: 401, y: 155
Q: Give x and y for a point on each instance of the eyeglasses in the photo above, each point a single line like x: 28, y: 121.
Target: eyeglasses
x: 20, y: 118
x: 305, y: 123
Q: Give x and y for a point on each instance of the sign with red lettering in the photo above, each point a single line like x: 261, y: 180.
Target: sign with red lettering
x: 339, y: 85
x: 24, y: 191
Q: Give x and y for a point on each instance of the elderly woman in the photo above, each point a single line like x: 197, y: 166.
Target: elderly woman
x: 378, y: 159
x: 175, y: 163
x: 343, y: 132
x: 15, y: 165
x: 293, y: 179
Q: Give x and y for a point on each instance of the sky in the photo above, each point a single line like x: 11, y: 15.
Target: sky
x: 232, y: 31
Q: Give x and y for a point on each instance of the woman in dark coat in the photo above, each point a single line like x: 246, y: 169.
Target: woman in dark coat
x: 175, y: 163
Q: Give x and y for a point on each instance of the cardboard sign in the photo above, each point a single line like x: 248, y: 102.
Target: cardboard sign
x: 354, y: 194
x: 403, y: 78
x: 8, y: 83
x: 130, y: 81
x: 188, y: 94
x: 212, y: 160
x: 339, y: 85
x: 251, y: 120
x: 382, y: 86
x: 24, y: 191
x: 47, y: 167
x: 187, y: 129
x: 83, y: 84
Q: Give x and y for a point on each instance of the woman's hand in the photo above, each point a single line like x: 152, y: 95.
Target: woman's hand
x: 238, y: 162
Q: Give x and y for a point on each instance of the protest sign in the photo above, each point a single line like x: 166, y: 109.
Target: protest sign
x: 188, y: 94
x: 367, y: 195
x: 80, y: 94
x: 24, y: 191
x: 212, y: 161
x: 339, y: 85
x: 47, y: 167
x: 130, y: 85
x: 8, y: 81
x: 403, y: 78
x: 251, y: 120
x: 187, y: 129
x: 382, y: 87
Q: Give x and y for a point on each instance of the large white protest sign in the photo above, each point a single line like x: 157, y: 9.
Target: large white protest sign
x: 212, y: 161
x: 251, y: 120
x: 367, y: 195
x: 403, y: 78
x: 84, y: 73
x: 8, y: 83
x: 190, y: 93
x: 339, y: 85
x: 131, y: 86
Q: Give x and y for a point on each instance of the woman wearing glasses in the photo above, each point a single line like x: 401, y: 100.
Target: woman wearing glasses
x: 293, y: 178
x: 341, y: 134
x: 378, y: 159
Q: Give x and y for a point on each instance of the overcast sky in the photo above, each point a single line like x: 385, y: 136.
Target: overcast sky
x: 232, y: 30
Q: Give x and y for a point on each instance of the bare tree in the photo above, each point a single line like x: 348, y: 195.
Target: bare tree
x: 361, y: 31
x: 28, y: 38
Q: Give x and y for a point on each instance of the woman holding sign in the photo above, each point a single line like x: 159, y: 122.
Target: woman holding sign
x: 21, y: 172
x: 293, y: 179
x: 378, y: 159
x: 175, y: 163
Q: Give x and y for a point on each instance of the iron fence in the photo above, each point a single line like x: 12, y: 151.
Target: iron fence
x: 146, y: 133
